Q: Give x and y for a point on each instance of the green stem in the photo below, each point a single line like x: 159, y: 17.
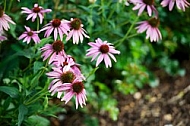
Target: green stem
x: 37, y: 96
x: 41, y: 93
x: 127, y: 34
x: 111, y: 13
x: 123, y: 23
x: 130, y: 36
x: 29, y: 65
x: 41, y: 2
x: 5, y: 4
x: 57, y: 2
x: 0, y: 48
x: 10, y: 4
x: 92, y: 72
x: 113, y: 10
x: 153, y: 54
x: 37, y: 77
x: 102, y: 5
x: 38, y: 24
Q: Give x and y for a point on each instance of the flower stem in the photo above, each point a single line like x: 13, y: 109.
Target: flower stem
x: 5, y: 4
x: 38, y: 24
x: 10, y: 4
x: 127, y: 34
x: 103, y: 10
x: 92, y: 72
x: 37, y: 96
x: 152, y: 51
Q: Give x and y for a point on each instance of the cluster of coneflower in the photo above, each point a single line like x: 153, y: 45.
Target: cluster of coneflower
x: 67, y: 78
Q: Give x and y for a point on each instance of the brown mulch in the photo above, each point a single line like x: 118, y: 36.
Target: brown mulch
x: 165, y: 105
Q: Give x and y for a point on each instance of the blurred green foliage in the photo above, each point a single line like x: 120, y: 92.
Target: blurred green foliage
x: 24, y: 86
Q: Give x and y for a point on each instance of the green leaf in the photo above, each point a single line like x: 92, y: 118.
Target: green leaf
x: 23, y: 110
x: 35, y: 80
x: 11, y: 91
x: 38, y: 121
x: 37, y: 66
x: 114, y: 113
x: 103, y: 87
x: 44, y: 41
x: 181, y: 72
x: 12, y: 30
x: 7, y: 103
x: 28, y: 53
x: 45, y: 104
x: 154, y: 83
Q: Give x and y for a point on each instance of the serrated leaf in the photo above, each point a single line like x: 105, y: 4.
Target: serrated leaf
x: 11, y: 91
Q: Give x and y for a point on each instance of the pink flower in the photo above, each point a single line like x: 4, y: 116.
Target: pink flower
x: 181, y: 4
x: 61, y: 76
x: 28, y: 35
x: 68, y: 82
x: 34, y: 12
x: 2, y: 37
x: 76, y: 88
x: 52, y: 50
x: 57, y: 26
x: 151, y: 28
x: 4, y: 20
x: 77, y: 31
x: 142, y: 4
x: 65, y: 87
x: 62, y: 61
x: 103, y: 50
x: 68, y: 61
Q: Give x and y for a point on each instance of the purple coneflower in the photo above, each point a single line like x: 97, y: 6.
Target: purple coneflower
x: 77, y: 31
x: 68, y: 61
x: 181, y: 4
x: 57, y: 26
x: 61, y: 75
x: 66, y: 81
x: 52, y: 50
x: 142, y: 4
x: 66, y: 85
x: 62, y: 61
x: 4, y: 20
x: 151, y: 28
x: 103, y: 50
x: 34, y: 12
x: 28, y: 35
x: 76, y: 88
x: 2, y: 36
